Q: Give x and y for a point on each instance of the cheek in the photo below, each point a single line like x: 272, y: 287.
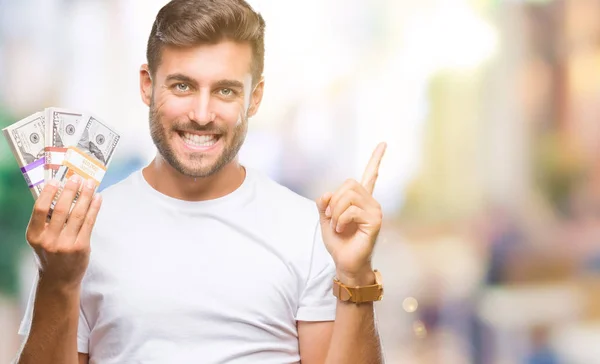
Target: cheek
x: 172, y: 108
x: 231, y: 113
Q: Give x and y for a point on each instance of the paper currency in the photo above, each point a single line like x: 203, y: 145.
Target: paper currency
x: 92, y: 154
x: 61, y: 133
x: 27, y: 140
x: 58, y: 143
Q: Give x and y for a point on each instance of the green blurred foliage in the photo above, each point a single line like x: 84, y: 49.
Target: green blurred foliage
x: 16, y: 203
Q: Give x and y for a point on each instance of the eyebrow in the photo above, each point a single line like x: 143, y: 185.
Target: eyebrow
x: 230, y: 84
x: 221, y: 83
x: 180, y: 77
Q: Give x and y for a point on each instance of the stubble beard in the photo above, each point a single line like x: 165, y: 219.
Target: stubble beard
x: 195, y: 167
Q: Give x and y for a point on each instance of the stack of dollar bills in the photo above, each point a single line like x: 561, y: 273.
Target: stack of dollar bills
x: 57, y: 143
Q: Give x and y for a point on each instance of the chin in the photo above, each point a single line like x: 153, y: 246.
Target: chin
x: 196, y: 170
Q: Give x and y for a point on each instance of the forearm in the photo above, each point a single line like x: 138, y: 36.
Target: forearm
x: 355, y: 337
x: 53, y: 334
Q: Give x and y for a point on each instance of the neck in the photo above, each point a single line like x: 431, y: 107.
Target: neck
x: 168, y: 181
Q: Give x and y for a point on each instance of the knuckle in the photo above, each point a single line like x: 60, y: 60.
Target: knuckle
x: 83, y: 246
x: 89, y: 222
x: 39, y: 209
x: 31, y: 238
x: 76, y: 249
x: 349, y: 196
x: 351, y: 182
x: 333, y: 204
x: 60, y: 211
x: 77, y: 215
x: 50, y: 248
x: 85, y: 194
x: 345, y: 218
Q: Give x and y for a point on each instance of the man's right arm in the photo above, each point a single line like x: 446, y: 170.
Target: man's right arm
x: 62, y: 246
x: 83, y: 358
x: 53, y: 334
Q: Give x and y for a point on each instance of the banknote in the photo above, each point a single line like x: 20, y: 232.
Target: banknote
x: 61, y: 133
x: 91, y: 155
x: 27, y: 140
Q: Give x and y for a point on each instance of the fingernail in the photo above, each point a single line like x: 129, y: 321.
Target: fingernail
x: 89, y: 183
x: 53, y: 182
x: 338, y: 229
x: 75, y: 178
x: 328, y: 211
x: 331, y: 224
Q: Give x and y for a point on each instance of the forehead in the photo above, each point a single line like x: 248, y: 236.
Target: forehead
x: 207, y: 62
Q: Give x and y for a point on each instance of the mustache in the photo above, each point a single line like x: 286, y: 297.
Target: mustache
x: 193, y: 127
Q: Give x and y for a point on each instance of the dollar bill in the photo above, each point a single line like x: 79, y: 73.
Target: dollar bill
x: 27, y: 141
x: 90, y: 156
x: 61, y: 133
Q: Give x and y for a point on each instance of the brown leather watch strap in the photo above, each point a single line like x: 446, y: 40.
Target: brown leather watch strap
x: 360, y: 294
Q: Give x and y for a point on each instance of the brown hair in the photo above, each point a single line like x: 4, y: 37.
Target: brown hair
x: 187, y: 23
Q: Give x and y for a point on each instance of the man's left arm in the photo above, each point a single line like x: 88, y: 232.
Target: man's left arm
x: 352, y: 338
x: 350, y: 222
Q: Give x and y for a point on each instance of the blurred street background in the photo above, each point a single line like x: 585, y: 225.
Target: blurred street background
x: 490, y: 250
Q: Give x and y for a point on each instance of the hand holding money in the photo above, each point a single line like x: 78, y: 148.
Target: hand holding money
x: 63, y: 245
x: 58, y: 143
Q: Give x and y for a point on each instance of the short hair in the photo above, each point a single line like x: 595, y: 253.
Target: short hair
x: 188, y: 23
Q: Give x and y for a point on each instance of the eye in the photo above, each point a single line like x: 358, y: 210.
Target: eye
x: 226, y: 92
x: 182, y: 87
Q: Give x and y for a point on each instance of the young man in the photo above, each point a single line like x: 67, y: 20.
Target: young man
x: 196, y: 258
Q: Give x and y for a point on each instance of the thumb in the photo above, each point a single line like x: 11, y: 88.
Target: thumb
x: 322, y: 205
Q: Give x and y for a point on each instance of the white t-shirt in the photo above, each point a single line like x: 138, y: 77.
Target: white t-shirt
x: 219, y: 281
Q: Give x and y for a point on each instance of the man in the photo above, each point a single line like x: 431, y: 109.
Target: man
x: 196, y: 258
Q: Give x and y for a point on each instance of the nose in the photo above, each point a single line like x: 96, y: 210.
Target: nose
x: 201, y: 112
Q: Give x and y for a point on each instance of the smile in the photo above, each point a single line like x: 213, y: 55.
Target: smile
x: 199, y: 142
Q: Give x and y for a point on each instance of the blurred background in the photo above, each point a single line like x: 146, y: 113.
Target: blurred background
x: 490, y: 186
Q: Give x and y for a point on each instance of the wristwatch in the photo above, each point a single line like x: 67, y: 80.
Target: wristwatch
x: 359, y: 294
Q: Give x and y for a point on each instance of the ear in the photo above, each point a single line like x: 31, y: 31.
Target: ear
x: 256, y: 98
x: 145, y: 85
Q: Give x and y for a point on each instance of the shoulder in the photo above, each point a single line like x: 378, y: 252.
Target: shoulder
x: 120, y: 197
x: 122, y: 188
x: 283, y: 201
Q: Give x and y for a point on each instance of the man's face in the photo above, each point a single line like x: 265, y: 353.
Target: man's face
x: 200, y: 100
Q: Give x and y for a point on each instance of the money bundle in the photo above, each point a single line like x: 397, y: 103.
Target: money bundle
x: 61, y: 133
x: 90, y: 156
x: 57, y: 143
x: 26, y: 139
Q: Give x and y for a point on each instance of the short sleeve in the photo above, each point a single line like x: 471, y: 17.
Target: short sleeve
x: 317, y: 302
x: 28, y: 314
x: 83, y: 330
x: 83, y: 333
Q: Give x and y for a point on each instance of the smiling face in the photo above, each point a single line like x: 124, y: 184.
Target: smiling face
x: 200, y: 100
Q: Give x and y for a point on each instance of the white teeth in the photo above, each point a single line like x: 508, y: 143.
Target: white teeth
x: 199, y: 140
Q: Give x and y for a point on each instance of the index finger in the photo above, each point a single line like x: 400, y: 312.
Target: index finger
x: 372, y: 171
x: 42, y: 205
